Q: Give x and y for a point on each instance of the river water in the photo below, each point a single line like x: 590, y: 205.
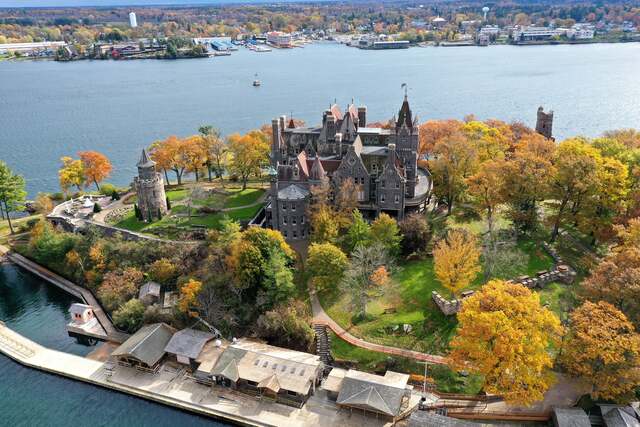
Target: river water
x: 29, y: 397
x: 51, y: 109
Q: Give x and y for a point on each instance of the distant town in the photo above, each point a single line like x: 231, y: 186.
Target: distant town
x: 172, y: 33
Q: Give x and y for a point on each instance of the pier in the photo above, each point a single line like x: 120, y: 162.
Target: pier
x: 174, y: 387
x: 84, y: 295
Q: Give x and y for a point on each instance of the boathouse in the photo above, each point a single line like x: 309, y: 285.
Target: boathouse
x: 81, y: 313
x: 186, y: 345
x: 144, y: 350
x: 259, y: 369
x: 387, y: 396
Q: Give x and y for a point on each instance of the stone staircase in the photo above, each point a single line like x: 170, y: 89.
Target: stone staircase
x: 323, y: 344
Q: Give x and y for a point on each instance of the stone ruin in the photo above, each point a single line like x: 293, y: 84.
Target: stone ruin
x: 561, y: 272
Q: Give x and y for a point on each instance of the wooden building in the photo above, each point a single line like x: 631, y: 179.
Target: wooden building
x: 144, y: 350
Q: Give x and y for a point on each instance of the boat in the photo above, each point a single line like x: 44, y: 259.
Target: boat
x: 256, y: 82
x: 262, y: 49
x: 222, y: 53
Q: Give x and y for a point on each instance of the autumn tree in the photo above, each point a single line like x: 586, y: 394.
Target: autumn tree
x: 358, y: 233
x: 603, y: 348
x: 575, y: 178
x: 326, y: 265
x: 171, y: 154
x: 43, y: 204
x: 188, y: 301
x: 435, y: 131
x: 95, y: 166
x: 346, y: 201
x: 489, y: 142
x: 12, y: 192
x: 287, y: 325
x: 415, y: 232
x: 526, y: 180
x: 71, y: 174
x: 616, y: 280
x: 163, y: 271
x: 215, y: 151
x: 324, y: 225
x: 504, y: 334
x: 249, y: 154
x: 359, y: 280
x: 454, y: 161
x: 194, y: 154
x: 485, y: 189
x: 385, y: 230
x: 129, y: 316
x: 456, y: 260
x: 119, y: 286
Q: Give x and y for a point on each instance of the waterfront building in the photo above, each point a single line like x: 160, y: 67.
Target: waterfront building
x: 544, y: 123
x: 149, y: 186
x: 144, y: 350
x: 279, y: 39
x: 380, y: 161
x: 286, y: 376
x: 133, y: 21
x: 388, y: 396
x: 31, y: 47
x: 531, y: 33
x: 581, y: 32
x: 438, y: 22
x: 186, y: 345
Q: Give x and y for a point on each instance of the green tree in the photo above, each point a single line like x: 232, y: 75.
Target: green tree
x: 287, y: 325
x: 358, y: 234
x: 12, y: 192
x: 360, y: 278
x: 415, y: 232
x: 129, y: 316
x: 385, y: 230
x: 326, y: 264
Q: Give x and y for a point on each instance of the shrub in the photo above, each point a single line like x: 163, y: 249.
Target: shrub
x: 96, y: 208
x: 129, y: 316
x: 107, y: 189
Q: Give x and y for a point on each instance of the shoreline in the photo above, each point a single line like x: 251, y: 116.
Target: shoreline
x: 32, y: 355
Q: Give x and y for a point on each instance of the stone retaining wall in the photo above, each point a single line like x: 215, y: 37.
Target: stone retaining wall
x: 449, y: 307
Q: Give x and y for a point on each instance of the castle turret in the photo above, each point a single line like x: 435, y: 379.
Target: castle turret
x: 362, y: 116
x: 406, y: 137
x: 149, y: 186
x: 544, y: 123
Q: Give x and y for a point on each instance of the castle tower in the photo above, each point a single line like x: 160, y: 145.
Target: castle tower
x: 149, y: 186
x: 544, y: 123
x: 406, y: 138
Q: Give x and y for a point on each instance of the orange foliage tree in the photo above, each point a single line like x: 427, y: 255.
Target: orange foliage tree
x: 456, y: 260
x: 97, y: 167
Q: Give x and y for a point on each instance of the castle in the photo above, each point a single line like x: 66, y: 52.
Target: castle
x: 381, y: 162
x: 544, y: 123
x: 149, y: 186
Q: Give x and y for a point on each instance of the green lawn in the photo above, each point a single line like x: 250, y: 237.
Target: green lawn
x: 446, y: 380
x: 130, y: 222
x: 559, y: 298
x: 407, y: 300
x: 177, y: 194
x: 243, y: 197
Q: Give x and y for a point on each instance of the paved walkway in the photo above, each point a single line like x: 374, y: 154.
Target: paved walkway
x: 320, y: 317
x: 171, y: 386
x: 79, y: 292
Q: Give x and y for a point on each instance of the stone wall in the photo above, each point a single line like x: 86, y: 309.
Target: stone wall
x: 449, y: 307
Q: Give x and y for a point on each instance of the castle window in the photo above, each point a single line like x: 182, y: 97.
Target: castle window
x: 303, y: 233
x: 382, y: 198
x: 284, y: 220
x: 397, y: 184
x: 284, y: 233
x: 397, y: 199
x: 302, y: 220
x: 295, y: 234
x: 361, y: 195
x: 374, y: 167
x: 284, y: 206
x: 293, y: 220
x: 293, y: 206
x: 382, y: 184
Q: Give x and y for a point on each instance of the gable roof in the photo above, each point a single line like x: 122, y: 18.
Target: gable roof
x: 227, y: 364
x: 335, y: 111
x: 375, y: 392
x: 147, y: 345
x: 149, y: 288
x: 188, y: 343
x: 570, y: 417
x: 317, y: 171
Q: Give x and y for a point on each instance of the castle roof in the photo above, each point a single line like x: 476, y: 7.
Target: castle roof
x: 404, y: 117
x: 317, y: 171
x: 293, y: 192
x: 145, y: 160
x: 335, y: 111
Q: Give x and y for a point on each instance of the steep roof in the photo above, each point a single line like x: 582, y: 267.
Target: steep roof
x: 335, y: 111
x: 404, y: 116
x: 293, y: 192
x: 381, y: 394
x: 570, y: 417
x: 317, y: 171
x: 147, y: 345
x: 145, y: 160
x: 188, y: 343
x: 149, y: 288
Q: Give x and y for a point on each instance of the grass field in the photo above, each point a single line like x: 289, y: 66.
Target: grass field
x: 407, y: 300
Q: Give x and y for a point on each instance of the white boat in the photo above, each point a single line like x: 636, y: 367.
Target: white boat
x: 262, y: 49
x: 256, y: 82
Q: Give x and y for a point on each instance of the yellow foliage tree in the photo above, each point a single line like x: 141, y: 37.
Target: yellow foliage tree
x: 603, y: 348
x: 456, y: 260
x: 71, y: 174
x: 504, y: 334
x: 189, y: 297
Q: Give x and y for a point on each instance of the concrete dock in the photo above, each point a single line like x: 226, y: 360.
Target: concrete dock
x: 171, y: 386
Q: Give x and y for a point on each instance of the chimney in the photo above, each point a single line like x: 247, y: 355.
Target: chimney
x: 275, y: 142
x: 338, y: 145
x: 392, y: 156
x: 362, y: 116
x: 331, y: 126
x: 283, y: 121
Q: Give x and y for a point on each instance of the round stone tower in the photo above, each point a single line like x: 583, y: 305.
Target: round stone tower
x: 149, y: 185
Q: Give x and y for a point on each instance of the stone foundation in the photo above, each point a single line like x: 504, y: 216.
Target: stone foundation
x: 449, y: 307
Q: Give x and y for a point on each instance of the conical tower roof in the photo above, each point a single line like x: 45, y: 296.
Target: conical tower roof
x: 404, y: 117
x: 145, y: 160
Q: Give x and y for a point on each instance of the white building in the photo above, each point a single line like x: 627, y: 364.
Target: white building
x: 279, y: 39
x: 581, y: 32
x: 524, y: 34
x: 30, y: 47
x: 490, y: 30
x: 133, y: 21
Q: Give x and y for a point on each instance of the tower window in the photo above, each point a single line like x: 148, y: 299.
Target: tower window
x: 397, y: 199
x: 382, y: 198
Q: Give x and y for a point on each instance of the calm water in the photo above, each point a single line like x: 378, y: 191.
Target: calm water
x: 50, y: 109
x: 32, y: 398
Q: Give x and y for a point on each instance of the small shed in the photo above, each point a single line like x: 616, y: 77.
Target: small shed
x: 150, y: 293
x: 81, y: 313
x: 187, y: 344
x: 144, y: 350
